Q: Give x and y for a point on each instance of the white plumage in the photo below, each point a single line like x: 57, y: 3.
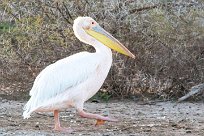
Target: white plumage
x: 73, y: 80
x: 68, y: 82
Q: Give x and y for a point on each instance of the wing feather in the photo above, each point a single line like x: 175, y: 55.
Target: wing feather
x: 62, y: 75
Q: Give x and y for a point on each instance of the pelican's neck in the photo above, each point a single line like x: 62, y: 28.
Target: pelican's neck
x: 101, y: 48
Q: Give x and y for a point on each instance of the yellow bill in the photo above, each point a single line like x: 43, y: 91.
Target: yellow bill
x: 107, y: 39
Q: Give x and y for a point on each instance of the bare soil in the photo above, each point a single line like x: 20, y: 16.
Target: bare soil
x: 136, y: 119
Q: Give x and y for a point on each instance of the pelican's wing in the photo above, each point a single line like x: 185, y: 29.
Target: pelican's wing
x: 62, y: 75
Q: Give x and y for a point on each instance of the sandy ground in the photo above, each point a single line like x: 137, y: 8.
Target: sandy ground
x: 136, y: 119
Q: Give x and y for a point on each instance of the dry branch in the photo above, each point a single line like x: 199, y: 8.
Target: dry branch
x: 194, y: 90
x: 162, y: 5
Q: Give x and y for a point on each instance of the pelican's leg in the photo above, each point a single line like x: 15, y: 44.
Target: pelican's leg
x: 57, y: 123
x: 84, y: 114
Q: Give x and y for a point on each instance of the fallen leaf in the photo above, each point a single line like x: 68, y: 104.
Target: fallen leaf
x: 99, y: 122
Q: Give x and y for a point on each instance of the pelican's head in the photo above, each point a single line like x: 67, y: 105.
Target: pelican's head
x: 88, y: 30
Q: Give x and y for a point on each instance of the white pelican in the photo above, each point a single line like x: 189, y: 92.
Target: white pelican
x: 71, y: 81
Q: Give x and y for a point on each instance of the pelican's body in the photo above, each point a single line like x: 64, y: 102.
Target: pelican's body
x: 73, y: 80
x: 70, y: 81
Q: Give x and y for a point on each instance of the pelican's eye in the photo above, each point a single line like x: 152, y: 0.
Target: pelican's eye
x: 92, y: 23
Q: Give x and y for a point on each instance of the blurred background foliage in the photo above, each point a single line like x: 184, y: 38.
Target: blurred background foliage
x: 167, y: 37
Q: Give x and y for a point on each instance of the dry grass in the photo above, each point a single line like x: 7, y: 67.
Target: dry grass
x: 166, y: 37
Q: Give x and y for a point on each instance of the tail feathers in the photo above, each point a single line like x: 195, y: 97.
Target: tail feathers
x: 26, y: 115
x: 27, y: 110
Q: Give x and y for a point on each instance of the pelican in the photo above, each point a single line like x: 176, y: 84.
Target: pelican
x: 71, y: 81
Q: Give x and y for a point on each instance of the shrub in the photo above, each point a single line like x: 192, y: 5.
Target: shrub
x: 166, y: 37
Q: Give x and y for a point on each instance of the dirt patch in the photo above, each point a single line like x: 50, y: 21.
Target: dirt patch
x: 136, y: 119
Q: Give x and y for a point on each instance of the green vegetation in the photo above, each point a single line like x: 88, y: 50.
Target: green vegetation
x: 6, y: 27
